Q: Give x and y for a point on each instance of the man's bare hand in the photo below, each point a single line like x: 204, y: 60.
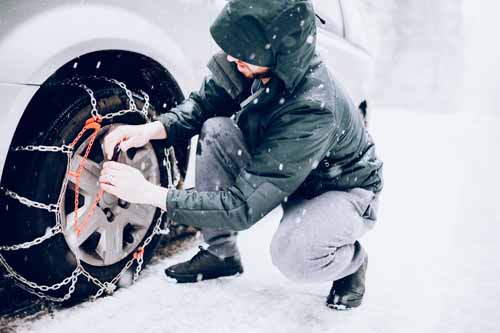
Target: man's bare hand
x: 133, y: 136
x: 128, y: 183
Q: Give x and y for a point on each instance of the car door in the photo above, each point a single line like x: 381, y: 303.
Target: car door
x: 342, y: 45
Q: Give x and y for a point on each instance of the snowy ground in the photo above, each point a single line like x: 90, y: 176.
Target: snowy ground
x: 432, y: 255
x: 428, y: 269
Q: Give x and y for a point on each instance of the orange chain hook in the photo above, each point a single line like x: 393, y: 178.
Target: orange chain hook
x: 139, y: 253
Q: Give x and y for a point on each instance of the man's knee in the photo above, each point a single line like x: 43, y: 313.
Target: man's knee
x: 289, y: 256
x: 214, y: 127
x: 304, y: 261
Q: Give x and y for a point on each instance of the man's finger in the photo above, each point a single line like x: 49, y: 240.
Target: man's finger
x: 114, y: 165
x: 111, y: 140
x: 115, y: 173
x: 126, y: 144
x: 111, y: 176
x: 109, y: 188
x: 109, y: 145
x: 106, y: 179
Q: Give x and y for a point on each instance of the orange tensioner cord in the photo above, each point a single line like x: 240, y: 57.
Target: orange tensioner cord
x: 95, y: 125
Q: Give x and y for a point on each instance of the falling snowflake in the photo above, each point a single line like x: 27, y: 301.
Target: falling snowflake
x: 239, y: 152
x: 268, y: 46
x: 255, y: 101
x: 310, y: 39
x: 280, y: 166
x: 282, y: 100
x: 98, y: 64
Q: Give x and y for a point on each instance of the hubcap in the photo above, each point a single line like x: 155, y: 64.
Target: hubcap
x: 116, y: 227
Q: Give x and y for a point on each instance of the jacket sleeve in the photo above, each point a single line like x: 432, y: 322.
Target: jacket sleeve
x: 293, y: 145
x: 185, y: 120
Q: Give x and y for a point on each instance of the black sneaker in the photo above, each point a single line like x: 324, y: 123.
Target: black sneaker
x: 204, y: 266
x: 347, y: 293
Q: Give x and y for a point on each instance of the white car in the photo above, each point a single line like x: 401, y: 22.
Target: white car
x: 63, y: 62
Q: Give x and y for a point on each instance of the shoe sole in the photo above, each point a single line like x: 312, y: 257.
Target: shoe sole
x: 340, y: 307
x: 180, y: 278
x: 344, y: 307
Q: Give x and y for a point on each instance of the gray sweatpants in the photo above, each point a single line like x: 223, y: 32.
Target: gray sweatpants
x: 316, y: 240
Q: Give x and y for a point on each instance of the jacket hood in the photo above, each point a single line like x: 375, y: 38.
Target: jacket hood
x: 280, y: 34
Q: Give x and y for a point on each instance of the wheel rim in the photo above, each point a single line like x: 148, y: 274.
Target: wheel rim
x: 116, y: 227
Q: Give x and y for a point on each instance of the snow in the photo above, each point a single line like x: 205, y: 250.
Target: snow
x: 427, y: 272
x: 418, y: 50
x: 432, y: 253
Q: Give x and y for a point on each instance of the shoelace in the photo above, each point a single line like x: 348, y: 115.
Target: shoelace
x: 202, y: 253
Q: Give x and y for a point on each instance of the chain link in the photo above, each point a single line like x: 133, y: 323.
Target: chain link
x: 138, y: 269
x: 66, y: 297
x: 74, y: 82
x: 53, y: 208
x: 93, y: 102
x: 13, y: 274
x: 132, y: 105
x: 26, y: 245
x: 63, y: 149
x: 145, y: 108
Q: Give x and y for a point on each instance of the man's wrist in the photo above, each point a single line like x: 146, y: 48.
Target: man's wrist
x: 157, y: 196
x: 156, y: 130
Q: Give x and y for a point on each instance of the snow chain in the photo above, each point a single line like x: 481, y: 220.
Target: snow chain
x: 138, y: 256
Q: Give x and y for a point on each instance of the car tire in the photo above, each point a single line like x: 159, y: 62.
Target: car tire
x: 39, y: 176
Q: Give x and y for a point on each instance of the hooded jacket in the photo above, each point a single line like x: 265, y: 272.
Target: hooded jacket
x: 303, y: 132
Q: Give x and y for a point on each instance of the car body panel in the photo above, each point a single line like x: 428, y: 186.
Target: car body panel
x: 14, y: 97
x: 331, y: 13
x: 354, y: 27
x: 339, y: 55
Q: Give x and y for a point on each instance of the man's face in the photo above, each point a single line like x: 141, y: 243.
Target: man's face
x: 248, y: 70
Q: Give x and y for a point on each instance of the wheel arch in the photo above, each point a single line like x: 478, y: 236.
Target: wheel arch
x: 86, y: 35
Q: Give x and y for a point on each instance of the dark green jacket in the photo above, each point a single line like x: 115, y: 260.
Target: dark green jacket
x: 304, y: 134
